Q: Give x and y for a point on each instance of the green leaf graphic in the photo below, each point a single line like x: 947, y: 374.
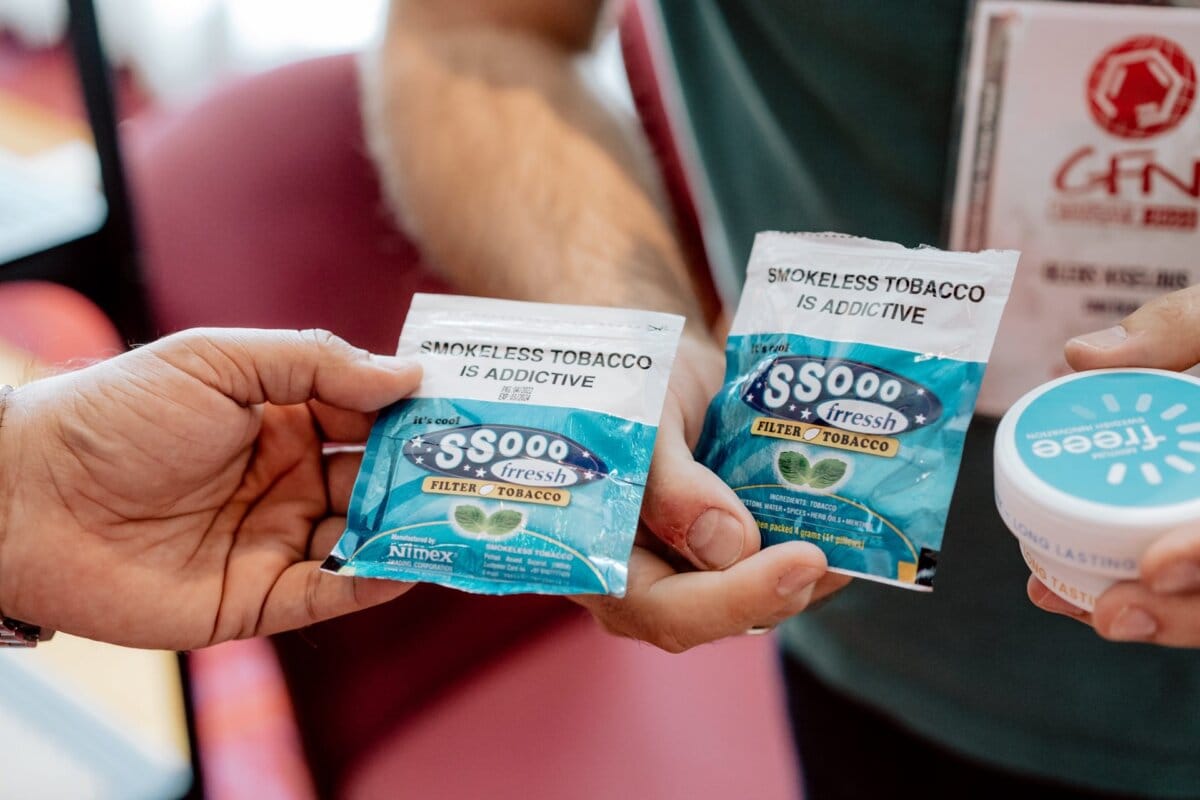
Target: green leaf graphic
x: 470, y: 518
x: 793, y: 467
x: 826, y: 473
x: 503, y: 522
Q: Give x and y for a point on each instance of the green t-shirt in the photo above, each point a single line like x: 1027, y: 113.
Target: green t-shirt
x: 838, y: 115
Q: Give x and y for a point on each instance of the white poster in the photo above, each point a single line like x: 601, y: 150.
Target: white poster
x: 1080, y: 146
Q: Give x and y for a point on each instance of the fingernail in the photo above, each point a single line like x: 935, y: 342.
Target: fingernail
x: 1133, y: 625
x: 1178, y: 579
x: 716, y: 538
x: 797, y: 579
x: 1103, y: 340
x: 1047, y: 600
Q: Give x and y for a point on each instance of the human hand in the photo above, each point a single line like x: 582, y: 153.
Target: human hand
x: 177, y: 496
x: 688, y: 510
x: 1163, y: 605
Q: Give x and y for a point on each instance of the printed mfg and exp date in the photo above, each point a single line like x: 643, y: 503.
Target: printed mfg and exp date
x: 786, y: 515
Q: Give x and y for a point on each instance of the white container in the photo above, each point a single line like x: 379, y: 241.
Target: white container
x: 1093, y: 467
x: 1077, y: 587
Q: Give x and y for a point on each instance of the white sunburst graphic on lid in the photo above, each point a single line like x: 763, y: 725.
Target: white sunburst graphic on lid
x: 1118, y: 438
x: 1149, y: 471
x: 1093, y: 467
x: 1187, y: 445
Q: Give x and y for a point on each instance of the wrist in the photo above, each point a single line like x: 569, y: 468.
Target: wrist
x: 10, y: 472
x: 25, y: 631
x: 7, y: 482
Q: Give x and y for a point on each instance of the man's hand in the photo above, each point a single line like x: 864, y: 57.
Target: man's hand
x: 1163, y: 605
x: 177, y: 496
x: 692, y: 510
x: 519, y: 181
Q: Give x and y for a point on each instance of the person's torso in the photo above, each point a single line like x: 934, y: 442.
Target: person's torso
x: 838, y: 115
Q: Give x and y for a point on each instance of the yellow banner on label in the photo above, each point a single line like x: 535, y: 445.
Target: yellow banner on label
x: 468, y: 487
x: 883, y: 446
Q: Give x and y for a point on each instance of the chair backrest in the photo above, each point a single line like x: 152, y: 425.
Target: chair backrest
x: 102, y: 265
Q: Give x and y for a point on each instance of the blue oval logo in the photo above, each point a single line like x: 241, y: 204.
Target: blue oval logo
x: 842, y: 394
x: 507, y: 454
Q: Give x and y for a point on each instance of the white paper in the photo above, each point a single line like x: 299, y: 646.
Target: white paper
x: 1057, y: 94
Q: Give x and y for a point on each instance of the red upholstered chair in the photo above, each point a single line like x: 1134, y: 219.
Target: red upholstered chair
x: 54, y: 325
x: 258, y: 207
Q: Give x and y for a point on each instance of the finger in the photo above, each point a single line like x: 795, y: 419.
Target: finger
x: 1130, y: 612
x: 341, y: 471
x: 677, y: 611
x: 824, y: 589
x: 1164, y: 334
x: 285, y: 367
x: 656, y: 546
x: 325, y: 536
x: 689, y: 507
x: 304, y: 595
x: 828, y: 585
x: 1171, y: 565
x: 696, y: 378
x: 1042, y: 597
x: 340, y: 425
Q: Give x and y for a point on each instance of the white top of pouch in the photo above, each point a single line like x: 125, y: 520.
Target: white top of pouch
x: 844, y: 288
x: 609, y: 360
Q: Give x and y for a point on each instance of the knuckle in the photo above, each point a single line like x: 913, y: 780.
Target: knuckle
x: 614, y: 628
x: 673, y: 646
x: 1174, y: 310
x: 1181, y: 308
x: 672, y: 641
x: 611, y: 618
x: 321, y: 338
x: 668, y: 516
x: 617, y: 620
x: 195, y: 341
x: 312, y: 587
x: 777, y: 616
x: 330, y: 345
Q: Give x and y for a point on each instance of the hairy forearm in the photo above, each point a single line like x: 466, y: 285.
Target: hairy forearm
x: 513, y: 177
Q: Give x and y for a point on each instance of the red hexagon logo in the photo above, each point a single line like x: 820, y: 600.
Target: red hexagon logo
x: 1141, y: 87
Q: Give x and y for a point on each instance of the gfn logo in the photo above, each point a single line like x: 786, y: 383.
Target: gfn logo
x: 1141, y: 87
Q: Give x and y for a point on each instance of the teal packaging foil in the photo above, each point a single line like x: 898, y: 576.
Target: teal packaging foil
x: 520, y: 462
x: 852, y: 368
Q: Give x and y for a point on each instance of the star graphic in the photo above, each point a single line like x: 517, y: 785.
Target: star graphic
x: 919, y: 419
x: 586, y: 454
x: 466, y: 467
x: 417, y: 441
x: 420, y: 459
x: 805, y: 414
x: 479, y: 473
x: 920, y: 391
x: 792, y: 407
x: 587, y: 476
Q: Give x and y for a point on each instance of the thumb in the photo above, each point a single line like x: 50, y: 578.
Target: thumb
x: 1163, y: 334
x: 303, y: 595
x: 1171, y: 565
x: 287, y: 367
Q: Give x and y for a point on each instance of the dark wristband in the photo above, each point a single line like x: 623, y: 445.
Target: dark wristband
x: 13, y: 632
